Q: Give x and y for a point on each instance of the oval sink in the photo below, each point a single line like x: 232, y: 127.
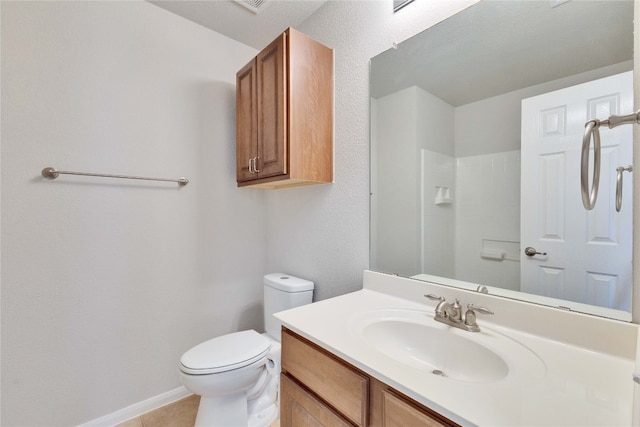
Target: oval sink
x: 414, y: 339
x: 435, y: 350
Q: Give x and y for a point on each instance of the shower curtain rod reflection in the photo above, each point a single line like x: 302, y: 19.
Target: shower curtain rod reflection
x: 52, y: 173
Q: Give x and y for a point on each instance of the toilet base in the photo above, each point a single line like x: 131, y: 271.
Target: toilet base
x: 265, y: 417
x: 227, y: 411
x: 232, y: 412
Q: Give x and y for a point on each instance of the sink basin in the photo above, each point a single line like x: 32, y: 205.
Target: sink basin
x: 436, y: 350
x: 414, y: 339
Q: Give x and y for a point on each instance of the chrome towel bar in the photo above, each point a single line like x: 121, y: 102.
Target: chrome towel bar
x: 52, y: 173
x: 591, y: 128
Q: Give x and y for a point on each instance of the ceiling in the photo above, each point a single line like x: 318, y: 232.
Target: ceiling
x: 495, y: 47
x: 235, y: 21
x: 543, y: 42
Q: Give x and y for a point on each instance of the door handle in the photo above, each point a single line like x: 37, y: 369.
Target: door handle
x: 529, y: 251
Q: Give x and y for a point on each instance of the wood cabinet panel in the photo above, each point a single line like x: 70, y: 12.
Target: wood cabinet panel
x: 334, y: 382
x: 310, y: 109
x: 397, y: 412
x: 300, y: 408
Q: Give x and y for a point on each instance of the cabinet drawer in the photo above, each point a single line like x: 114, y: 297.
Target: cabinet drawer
x: 396, y: 412
x: 336, y: 383
x: 299, y: 408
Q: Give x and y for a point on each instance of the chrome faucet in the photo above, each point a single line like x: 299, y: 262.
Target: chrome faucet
x: 451, y: 314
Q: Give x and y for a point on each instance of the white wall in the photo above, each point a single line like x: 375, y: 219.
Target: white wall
x: 397, y: 208
x: 492, y: 125
x: 405, y: 149
x: 105, y: 283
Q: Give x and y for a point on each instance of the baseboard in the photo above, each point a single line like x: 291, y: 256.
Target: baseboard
x: 138, y: 409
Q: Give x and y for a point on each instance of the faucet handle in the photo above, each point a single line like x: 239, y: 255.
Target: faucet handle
x: 434, y: 297
x: 441, y: 304
x: 470, y: 317
x: 482, y: 310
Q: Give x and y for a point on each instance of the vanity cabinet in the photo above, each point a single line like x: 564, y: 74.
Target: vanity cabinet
x: 284, y: 115
x: 319, y: 389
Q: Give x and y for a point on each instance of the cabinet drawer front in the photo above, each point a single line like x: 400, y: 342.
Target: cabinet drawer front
x: 397, y: 412
x: 299, y: 408
x: 336, y: 383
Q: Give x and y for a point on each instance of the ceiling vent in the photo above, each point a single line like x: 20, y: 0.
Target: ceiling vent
x: 253, y: 5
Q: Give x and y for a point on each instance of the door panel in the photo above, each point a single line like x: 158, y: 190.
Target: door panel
x: 588, y: 256
x: 272, y: 111
x: 246, y: 126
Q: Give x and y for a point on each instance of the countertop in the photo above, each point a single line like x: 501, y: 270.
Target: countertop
x: 572, y: 385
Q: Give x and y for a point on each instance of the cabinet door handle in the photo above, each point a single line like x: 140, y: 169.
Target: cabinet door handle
x: 253, y: 165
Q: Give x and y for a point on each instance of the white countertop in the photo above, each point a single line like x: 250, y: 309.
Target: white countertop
x: 576, y: 386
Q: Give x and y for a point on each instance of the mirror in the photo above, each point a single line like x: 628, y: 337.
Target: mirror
x: 476, y: 130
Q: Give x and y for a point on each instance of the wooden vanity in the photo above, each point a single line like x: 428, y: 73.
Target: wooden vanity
x: 320, y: 389
x: 563, y: 368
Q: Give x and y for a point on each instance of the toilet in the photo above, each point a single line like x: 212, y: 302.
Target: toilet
x: 238, y: 375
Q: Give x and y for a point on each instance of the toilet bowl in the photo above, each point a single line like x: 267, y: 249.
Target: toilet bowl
x: 237, y: 375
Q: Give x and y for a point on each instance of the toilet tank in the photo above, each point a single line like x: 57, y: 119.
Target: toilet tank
x: 282, y: 292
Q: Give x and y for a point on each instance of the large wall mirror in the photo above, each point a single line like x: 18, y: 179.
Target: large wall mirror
x: 476, y: 131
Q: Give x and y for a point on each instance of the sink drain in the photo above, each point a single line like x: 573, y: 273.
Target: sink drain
x: 438, y: 372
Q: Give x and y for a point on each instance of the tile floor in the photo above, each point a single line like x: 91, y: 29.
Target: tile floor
x: 177, y: 414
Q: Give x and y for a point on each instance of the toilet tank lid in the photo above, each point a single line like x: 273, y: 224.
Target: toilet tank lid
x: 287, y: 283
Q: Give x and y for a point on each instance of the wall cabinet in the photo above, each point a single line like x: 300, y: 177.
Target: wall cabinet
x: 284, y: 114
x: 319, y: 389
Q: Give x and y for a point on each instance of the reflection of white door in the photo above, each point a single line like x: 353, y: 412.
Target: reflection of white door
x: 588, y: 252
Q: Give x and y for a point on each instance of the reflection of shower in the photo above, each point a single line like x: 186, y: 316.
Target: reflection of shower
x: 591, y: 131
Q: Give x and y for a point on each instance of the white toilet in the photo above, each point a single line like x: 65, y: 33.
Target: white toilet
x: 238, y: 375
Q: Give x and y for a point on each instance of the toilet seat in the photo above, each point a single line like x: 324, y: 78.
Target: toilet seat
x: 225, y: 353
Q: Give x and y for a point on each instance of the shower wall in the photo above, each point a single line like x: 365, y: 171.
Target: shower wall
x: 488, y: 219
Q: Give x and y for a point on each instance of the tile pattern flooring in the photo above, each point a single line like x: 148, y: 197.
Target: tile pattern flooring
x: 177, y: 414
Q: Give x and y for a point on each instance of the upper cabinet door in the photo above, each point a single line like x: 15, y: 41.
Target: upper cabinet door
x: 246, y: 122
x: 272, y: 109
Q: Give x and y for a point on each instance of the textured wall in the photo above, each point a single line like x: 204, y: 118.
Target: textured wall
x: 322, y: 232
x: 105, y: 283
